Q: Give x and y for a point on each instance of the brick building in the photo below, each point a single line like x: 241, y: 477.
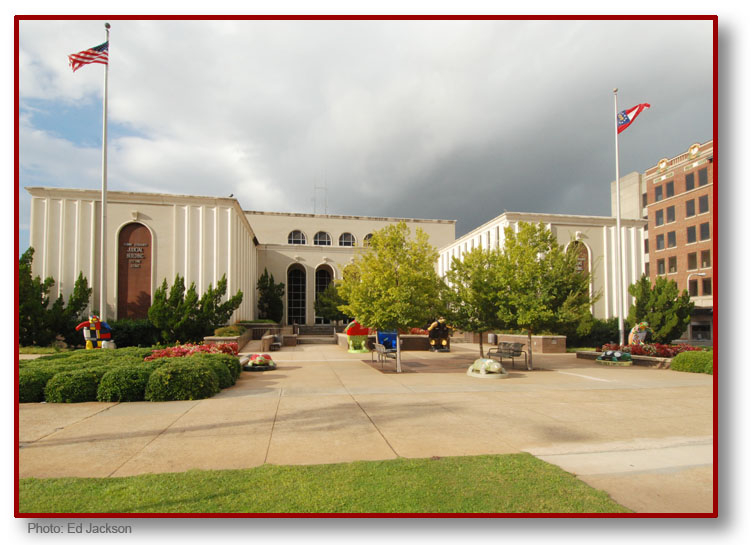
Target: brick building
x: 676, y: 197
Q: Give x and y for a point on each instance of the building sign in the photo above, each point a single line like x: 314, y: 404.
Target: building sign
x: 134, y: 271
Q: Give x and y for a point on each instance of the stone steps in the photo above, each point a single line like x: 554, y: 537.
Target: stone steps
x: 317, y: 339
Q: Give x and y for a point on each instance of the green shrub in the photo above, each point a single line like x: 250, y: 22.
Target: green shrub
x: 124, y: 383
x: 74, y: 386
x: 224, y: 378
x: 693, y: 362
x: 181, y: 379
x: 31, y: 383
x: 129, y: 332
x: 230, y: 331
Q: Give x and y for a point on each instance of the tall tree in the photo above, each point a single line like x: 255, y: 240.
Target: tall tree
x: 393, y: 284
x: 270, y: 294
x: 328, y: 302
x: 538, y: 285
x: 660, y: 305
x: 471, y: 298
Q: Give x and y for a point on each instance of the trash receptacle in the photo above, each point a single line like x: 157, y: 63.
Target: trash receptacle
x: 492, y: 338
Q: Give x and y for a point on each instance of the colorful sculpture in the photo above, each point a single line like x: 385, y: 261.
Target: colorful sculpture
x: 97, y: 334
x: 487, y: 368
x: 357, y: 338
x: 638, y: 333
x: 438, y: 336
x: 259, y: 362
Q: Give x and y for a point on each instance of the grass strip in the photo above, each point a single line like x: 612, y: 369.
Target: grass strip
x: 513, y: 483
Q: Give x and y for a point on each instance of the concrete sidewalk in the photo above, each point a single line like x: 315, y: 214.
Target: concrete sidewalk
x: 643, y: 435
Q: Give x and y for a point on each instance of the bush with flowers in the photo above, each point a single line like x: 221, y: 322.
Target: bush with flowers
x: 654, y: 350
x: 181, y: 351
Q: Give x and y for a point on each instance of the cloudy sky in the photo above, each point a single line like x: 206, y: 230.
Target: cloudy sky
x: 443, y: 119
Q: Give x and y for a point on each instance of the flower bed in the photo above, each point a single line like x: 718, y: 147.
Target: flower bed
x: 652, y: 350
x: 190, y: 349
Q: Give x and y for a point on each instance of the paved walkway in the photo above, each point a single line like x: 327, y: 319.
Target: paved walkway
x: 643, y: 435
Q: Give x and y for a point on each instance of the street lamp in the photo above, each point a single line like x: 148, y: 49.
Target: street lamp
x: 690, y: 275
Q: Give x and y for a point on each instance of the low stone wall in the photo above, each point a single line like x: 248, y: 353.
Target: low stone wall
x: 648, y: 361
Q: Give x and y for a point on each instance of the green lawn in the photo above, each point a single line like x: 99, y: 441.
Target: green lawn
x: 514, y: 483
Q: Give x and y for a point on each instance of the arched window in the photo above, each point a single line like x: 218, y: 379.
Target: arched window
x: 367, y: 239
x: 322, y: 239
x: 296, y: 237
x: 323, y: 279
x: 346, y: 239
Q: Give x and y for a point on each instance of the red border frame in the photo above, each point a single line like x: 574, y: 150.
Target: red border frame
x: 713, y: 18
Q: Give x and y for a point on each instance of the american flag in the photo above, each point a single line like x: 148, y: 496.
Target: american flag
x: 98, y: 54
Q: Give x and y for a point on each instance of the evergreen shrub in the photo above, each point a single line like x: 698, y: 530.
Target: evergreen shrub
x: 31, y: 383
x: 129, y: 332
x: 230, y: 331
x: 693, y: 362
x: 224, y: 378
x: 181, y: 379
x: 124, y: 383
x: 74, y: 386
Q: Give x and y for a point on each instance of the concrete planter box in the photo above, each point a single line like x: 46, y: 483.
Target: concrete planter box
x: 542, y: 344
x: 242, y: 340
x: 648, y: 361
x: 409, y: 342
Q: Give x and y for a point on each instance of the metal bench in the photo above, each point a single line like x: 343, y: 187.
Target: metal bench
x: 383, y: 353
x: 507, y: 350
x: 276, y: 343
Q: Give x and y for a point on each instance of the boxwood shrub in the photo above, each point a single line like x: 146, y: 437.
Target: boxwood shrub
x: 74, y: 386
x: 31, y: 383
x: 693, y: 362
x: 124, y: 383
x: 230, y: 362
x: 230, y: 331
x: 182, y: 378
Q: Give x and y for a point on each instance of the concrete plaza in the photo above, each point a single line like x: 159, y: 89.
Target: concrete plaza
x: 643, y: 435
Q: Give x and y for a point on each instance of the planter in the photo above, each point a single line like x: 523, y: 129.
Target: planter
x: 242, y: 340
x: 647, y: 361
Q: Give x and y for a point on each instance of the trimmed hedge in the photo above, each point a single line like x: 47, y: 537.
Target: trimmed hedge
x: 124, y: 383
x: 230, y: 362
x: 127, y: 333
x: 230, y: 331
x: 31, y: 383
x: 693, y: 362
x: 74, y: 386
x: 182, y: 379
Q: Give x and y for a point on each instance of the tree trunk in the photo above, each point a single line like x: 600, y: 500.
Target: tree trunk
x: 481, y: 343
x: 529, y: 349
x: 399, y: 353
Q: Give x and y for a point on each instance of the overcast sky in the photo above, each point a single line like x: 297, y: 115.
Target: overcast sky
x: 427, y: 119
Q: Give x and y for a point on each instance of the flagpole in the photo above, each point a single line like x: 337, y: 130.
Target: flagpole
x: 620, y: 295
x: 103, y: 243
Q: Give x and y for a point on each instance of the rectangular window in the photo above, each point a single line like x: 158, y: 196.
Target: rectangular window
x: 647, y: 245
x: 702, y: 204
x: 659, y: 218
x: 690, y: 180
x: 669, y: 189
x: 659, y: 242
x: 705, y: 259
x: 693, y: 288
x: 691, y: 234
x: 659, y: 193
x: 704, y: 231
x: 661, y: 266
x: 692, y: 261
x: 670, y: 214
x: 644, y: 200
x: 672, y: 265
x: 690, y: 208
x: 707, y: 286
x: 647, y: 269
x: 671, y: 239
x: 702, y: 177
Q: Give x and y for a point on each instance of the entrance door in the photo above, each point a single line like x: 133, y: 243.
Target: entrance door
x: 134, y: 271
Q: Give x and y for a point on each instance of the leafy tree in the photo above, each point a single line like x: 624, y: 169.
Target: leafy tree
x: 182, y: 316
x: 328, y: 302
x: 666, y: 311
x: 38, y: 322
x: 393, y: 284
x: 539, y: 286
x: 270, y: 302
x: 471, y: 298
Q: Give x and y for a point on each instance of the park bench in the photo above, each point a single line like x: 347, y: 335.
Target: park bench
x: 382, y: 353
x: 276, y: 343
x: 507, y: 350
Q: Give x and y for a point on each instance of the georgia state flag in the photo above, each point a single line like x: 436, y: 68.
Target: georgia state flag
x: 624, y: 118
